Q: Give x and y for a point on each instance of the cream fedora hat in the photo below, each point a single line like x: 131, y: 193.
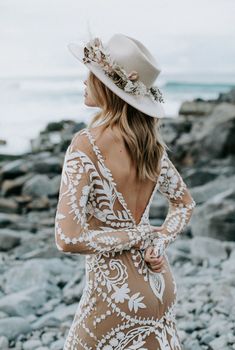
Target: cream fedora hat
x: 127, y: 68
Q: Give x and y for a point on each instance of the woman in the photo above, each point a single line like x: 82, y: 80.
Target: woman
x: 112, y: 169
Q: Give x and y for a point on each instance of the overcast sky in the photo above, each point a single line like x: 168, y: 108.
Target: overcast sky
x: 184, y: 35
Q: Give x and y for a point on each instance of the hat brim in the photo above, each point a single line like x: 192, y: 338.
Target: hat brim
x: 144, y: 104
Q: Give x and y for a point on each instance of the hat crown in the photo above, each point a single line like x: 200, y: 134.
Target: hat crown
x: 132, y: 55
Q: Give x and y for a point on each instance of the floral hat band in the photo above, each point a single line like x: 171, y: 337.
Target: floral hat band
x: 94, y: 51
x: 127, y: 67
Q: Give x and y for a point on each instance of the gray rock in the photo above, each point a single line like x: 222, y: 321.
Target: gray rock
x: 9, y: 239
x: 10, y: 187
x: 37, y: 186
x: 8, y: 205
x: 57, y: 345
x: 15, y: 168
x: 216, y: 217
x: 219, y: 343
x: 205, y: 248
x: 48, y: 338
x: 41, y: 203
x: 222, y: 184
x: 4, y: 343
x: 196, y: 108
x: 72, y: 292
x: 54, y: 318
x: 25, y: 275
x: 23, y: 303
x: 227, y: 96
x: 48, y: 165
x: 31, y: 344
x: 12, y: 327
x: 192, y: 345
x: 8, y: 219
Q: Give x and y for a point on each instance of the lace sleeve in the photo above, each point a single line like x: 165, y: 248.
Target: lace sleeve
x: 181, y: 205
x: 72, y: 233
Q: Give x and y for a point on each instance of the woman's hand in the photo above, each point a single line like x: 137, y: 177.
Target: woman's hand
x: 154, y: 263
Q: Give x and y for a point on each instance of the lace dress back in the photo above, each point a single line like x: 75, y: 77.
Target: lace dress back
x: 124, y: 304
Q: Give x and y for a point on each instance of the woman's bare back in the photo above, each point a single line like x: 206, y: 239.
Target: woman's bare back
x: 117, y: 158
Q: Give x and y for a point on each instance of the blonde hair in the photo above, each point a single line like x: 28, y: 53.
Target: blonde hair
x: 139, y: 131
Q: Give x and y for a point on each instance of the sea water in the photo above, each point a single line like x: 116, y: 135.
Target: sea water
x: 27, y: 105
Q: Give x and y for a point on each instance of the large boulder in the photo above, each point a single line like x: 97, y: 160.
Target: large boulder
x: 216, y: 217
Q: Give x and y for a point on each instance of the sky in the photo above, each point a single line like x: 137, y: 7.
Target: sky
x: 184, y: 35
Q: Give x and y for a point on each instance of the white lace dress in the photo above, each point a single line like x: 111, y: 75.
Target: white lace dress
x: 124, y: 305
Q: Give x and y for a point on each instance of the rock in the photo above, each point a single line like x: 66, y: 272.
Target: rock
x: 72, y: 292
x: 10, y: 187
x: 216, y: 217
x: 32, y: 344
x: 196, y: 108
x: 54, y: 318
x: 23, y: 303
x: 198, y: 177
x: 25, y: 275
x: 57, y: 345
x: 55, y: 126
x: 41, y: 203
x: 227, y: 96
x: 219, y: 343
x: 37, y: 186
x: 8, y: 219
x: 48, y: 338
x: 192, y: 345
x: 2, y: 142
x: 4, y: 343
x: 206, y: 339
x: 41, y: 186
x: 8, y: 205
x: 11, y: 327
x: 158, y: 207
x: 48, y: 165
x: 222, y: 184
x: 9, y: 239
x: 15, y: 168
x: 205, y: 248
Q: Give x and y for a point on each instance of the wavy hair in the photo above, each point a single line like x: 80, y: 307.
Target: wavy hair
x: 140, y: 131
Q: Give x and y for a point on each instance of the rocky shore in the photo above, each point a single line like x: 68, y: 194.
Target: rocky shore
x: 40, y: 287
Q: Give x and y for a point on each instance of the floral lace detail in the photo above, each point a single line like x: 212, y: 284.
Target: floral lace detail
x: 92, y: 218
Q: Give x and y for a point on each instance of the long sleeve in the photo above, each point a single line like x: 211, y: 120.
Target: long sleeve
x: 181, y: 204
x: 72, y: 234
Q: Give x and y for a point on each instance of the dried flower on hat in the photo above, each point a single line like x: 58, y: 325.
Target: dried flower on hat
x: 130, y: 83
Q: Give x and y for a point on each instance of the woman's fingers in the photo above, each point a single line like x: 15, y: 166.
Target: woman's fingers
x: 148, y: 253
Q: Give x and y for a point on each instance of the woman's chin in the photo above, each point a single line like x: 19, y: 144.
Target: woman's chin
x: 88, y: 103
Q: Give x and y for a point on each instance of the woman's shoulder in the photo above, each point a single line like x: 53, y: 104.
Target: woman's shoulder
x: 80, y: 141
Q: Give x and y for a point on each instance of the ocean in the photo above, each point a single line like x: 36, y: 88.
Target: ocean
x: 28, y: 104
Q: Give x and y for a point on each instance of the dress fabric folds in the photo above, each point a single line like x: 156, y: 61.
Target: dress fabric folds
x: 124, y: 305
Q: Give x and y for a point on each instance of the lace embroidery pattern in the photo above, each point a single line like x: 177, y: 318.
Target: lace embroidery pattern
x: 93, y: 219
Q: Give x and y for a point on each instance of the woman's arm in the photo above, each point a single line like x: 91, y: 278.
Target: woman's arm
x: 181, y: 205
x: 72, y: 234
